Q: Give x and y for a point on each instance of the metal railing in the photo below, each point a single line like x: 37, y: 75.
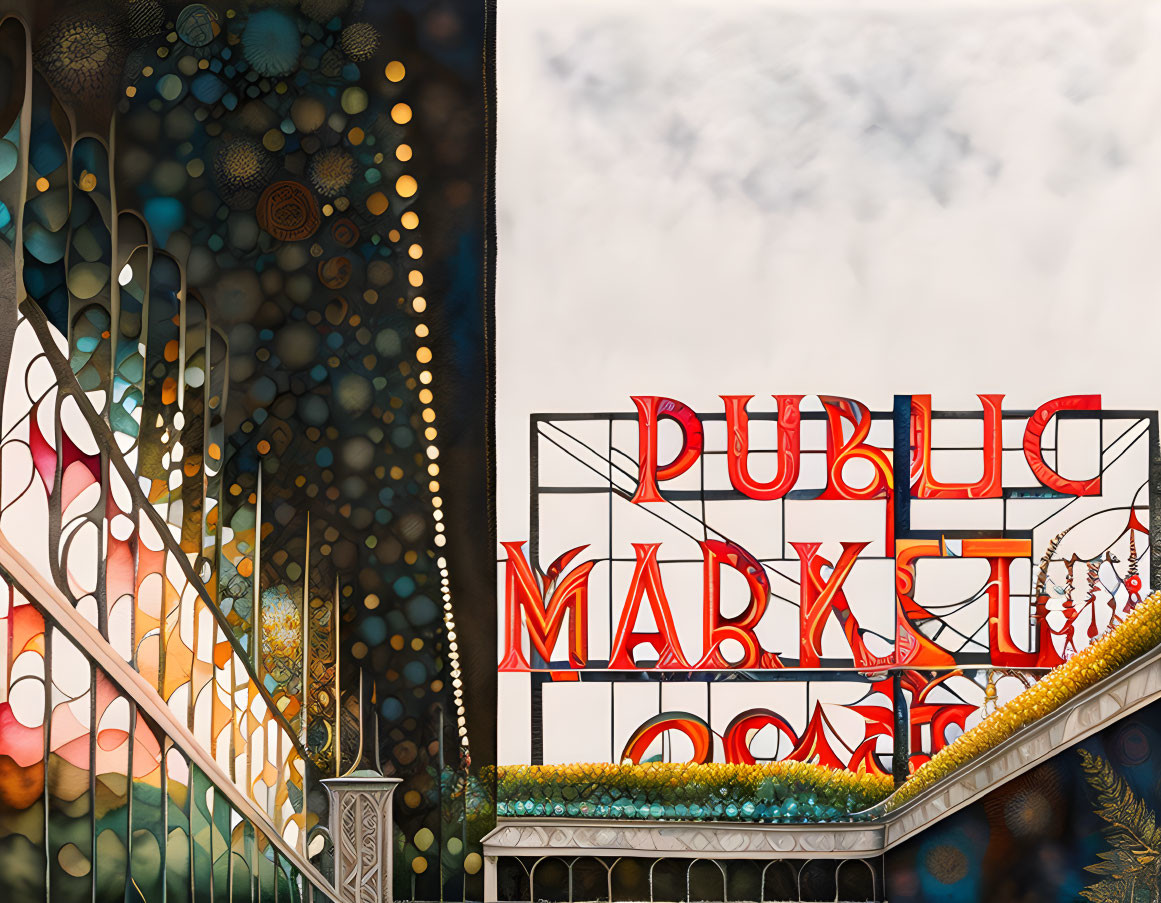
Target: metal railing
x: 102, y: 542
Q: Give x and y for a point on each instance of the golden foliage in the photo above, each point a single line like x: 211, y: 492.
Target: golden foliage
x: 814, y: 788
x: 1138, y: 633
x: 1130, y: 863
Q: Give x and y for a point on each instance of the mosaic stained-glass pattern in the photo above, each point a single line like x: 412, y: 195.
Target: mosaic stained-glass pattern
x: 220, y: 441
x: 95, y: 790
x: 130, y: 581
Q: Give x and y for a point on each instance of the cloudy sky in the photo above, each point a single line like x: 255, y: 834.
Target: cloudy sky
x: 800, y: 196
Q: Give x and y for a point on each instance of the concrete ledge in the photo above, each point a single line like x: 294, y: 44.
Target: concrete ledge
x: 690, y: 839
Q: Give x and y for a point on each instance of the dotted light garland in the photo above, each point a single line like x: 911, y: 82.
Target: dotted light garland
x: 406, y: 187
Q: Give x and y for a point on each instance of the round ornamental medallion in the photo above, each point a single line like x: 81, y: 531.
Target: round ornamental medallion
x: 197, y: 25
x: 335, y: 273
x: 288, y: 211
x: 345, y: 232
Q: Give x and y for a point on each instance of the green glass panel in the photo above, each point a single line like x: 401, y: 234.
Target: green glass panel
x: 201, y: 832
x: 178, y: 886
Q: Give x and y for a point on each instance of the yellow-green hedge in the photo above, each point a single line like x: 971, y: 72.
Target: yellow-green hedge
x: 776, y: 791
x: 1138, y: 633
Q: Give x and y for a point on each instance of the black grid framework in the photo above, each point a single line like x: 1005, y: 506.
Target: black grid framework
x: 617, y: 473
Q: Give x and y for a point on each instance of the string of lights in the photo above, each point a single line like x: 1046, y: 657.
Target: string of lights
x: 406, y: 186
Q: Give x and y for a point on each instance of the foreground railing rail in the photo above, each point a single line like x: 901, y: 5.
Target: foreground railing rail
x: 160, y: 795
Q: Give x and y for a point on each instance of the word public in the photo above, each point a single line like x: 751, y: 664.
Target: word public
x: 539, y: 604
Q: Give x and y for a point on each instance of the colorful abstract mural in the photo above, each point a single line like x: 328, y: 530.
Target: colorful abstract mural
x: 242, y: 241
x: 99, y: 802
x: 532, y: 451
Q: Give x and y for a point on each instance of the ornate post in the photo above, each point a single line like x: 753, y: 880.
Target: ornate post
x: 491, y: 892
x: 362, y: 829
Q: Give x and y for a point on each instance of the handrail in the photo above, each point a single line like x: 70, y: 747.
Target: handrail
x: 20, y: 573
